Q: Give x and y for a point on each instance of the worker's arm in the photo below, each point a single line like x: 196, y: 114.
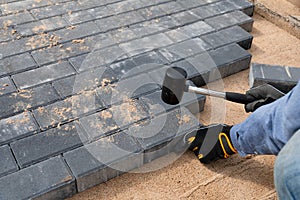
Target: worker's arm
x: 270, y: 127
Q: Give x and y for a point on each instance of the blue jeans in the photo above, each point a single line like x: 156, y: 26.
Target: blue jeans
x: 287, y: 170
x: 270, y: 129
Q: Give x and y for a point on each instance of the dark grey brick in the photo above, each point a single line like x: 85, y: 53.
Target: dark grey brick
x: 14, y: 19
x: 41, y: 26
x: 165, y: 134
x: 26, y: 99
x: 43, y: 75
x: 121, y: 7
x: 122, y: 35
x: 185, y: 17
x: 230, y: 35
x: 146, y: 44
x: 5, y: 35
x: 68, y: 110
x: 98, y: 58
x: 14, y: 47
x: 171, y: 7
x: 177, y: 35
x: 111, y: 120
x: 129, y: 18
x: 152, y: 12
x: 78, y: 17
x: 155, y: 105
x: 17, y: 127
x: 194, y: 3
x: 103, y: 160
x: 6, y: 86
x: 108, y: 23
x: 148, y: 58
x: 93, y: 3
x: 197, y: 29
x: 46, y: 180
x: 185, y: 49
x: 231, y: 19
x: 230, y: 54
x: 17, y: 6
x: 7, y: 162
x: 282, y: 77
x: 16, y: 64
x: 79, y: 31
x: 123, y: 67
x: 87, y: 80
x: 244, y: 5
x: 100, y: 12
x: 55, y: 10
x: 50, y: 143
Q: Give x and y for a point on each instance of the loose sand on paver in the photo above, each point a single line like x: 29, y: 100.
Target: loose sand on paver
x: 234, y: 178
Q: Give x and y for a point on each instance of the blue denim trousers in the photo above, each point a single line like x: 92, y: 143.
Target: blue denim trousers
x: 287, y: 170
x: 274, y: 129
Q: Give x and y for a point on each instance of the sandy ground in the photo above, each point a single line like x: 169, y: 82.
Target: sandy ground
x: 234, y: 178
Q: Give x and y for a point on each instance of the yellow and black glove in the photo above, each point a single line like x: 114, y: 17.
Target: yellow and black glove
x: 212, y: 143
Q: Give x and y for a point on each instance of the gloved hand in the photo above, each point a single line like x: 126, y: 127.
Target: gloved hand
x: 212, y: 143
x: 264, y: 94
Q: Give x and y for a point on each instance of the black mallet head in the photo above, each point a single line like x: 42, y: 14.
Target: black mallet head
x: 174, y: 85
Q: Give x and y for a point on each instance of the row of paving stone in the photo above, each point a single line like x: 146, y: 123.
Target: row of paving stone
x: 81, y: 82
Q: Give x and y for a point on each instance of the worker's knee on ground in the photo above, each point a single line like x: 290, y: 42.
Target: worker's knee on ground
x: 287, y: 169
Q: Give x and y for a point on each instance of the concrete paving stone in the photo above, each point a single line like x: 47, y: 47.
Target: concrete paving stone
x: 8, y: 164
x: 100, y: 12
x: 155, y: 105
x: 231, y: 19
x: 41, y: 26
x: 146, y: 28
x: 123, y: 67
x: 103, y: 160
x: 14, y: 19
x: 84, y: 81
x: 184, y: 49
x: 244, y: 5
x: 78, y: 17
x: 230, y: 35
x: 188, y: 4
x: 6, y: 86
x: 98, y: 58
x: 197, y: 29
x: 26, y: 100
x: 185, y: 17
x: 42, y: 146
x: 145, y: 3
x: 145, y: 44
x: 165, y: 134
x: 16, y: 127
x: 43, y: 75
x: 79, y: 31
x: 17, y: 6
x: 109, y: 23
x: 229, y: 59
x: 171, y: 7
x: 109, y: 121
x: 68, y: 110
x: 152, y: 12
x: 127, y: 19
x: 122, y: 35
x: 5, y: 35
x: 14, y: 47
x: 149, y: 58
x: 177, y: 35
x: 121, y: 7
x: 55, y: 10
x: 84, y: 4
x: 282, y: 77
x: 50, y: 179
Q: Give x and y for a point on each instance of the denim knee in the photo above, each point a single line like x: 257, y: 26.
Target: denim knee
x: 287, y: 169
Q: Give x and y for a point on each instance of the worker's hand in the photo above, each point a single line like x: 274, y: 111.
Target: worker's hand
x: 264, y: 94
x: 212, y: 143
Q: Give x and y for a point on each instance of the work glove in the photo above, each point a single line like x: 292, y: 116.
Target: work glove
x: 212, y: 143
x: 264, y: 94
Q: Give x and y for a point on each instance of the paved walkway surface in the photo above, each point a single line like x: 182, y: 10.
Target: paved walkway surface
x: 80, y: 85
